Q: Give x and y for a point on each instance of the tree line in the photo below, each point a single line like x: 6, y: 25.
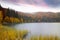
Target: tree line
x: 12, y: 16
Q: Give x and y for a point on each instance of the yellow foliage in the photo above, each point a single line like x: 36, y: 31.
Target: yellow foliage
x: 45, y: 37
x: 16, y: 20
x: 7, y: 33
x: 51, y: 37
x: 22, y: 33
x: 40, y: 37
x: 1, y: 16
x: 11, y: 19
x: 22, y: 20
x: 7, y: 19
x: 34, y: 38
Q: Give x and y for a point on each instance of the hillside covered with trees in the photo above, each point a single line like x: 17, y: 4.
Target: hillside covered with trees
x: 12, y: 16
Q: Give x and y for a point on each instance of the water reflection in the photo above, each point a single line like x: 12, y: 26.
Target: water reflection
x: 40, y: 28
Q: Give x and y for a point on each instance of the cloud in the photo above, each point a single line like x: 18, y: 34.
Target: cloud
x: 53, y: 3
x: 28, y: 8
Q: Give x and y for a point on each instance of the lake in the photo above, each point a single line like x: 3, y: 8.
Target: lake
x: 40, y: 28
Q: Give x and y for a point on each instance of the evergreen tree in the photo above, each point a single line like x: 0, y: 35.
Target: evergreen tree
x: 0, y: 7
x: 8, y: 12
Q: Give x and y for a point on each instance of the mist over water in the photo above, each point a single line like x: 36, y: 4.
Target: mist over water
x: 40, y: 28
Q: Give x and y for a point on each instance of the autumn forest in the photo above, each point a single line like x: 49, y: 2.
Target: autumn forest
x: 12, y: 16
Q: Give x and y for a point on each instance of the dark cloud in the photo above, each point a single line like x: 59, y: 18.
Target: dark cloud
x: 53, y: 3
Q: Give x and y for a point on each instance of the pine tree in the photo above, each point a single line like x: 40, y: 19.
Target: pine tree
x: 8, y: 12
x: 0, y: 7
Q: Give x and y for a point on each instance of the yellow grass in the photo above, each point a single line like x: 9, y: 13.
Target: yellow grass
x: 7, y: 33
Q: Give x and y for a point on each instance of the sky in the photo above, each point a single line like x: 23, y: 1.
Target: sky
x: 30, y: 6
x: 54, y: 3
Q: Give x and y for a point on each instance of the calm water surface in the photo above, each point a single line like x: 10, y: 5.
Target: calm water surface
x: 40, y: 28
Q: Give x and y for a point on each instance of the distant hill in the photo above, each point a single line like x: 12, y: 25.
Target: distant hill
x: 29, y: 18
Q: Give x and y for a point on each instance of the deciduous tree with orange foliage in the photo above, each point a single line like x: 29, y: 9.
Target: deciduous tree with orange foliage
x: 1, y: 17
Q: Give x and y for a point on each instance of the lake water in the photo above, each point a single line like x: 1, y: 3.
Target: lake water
x: 40, y: 28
